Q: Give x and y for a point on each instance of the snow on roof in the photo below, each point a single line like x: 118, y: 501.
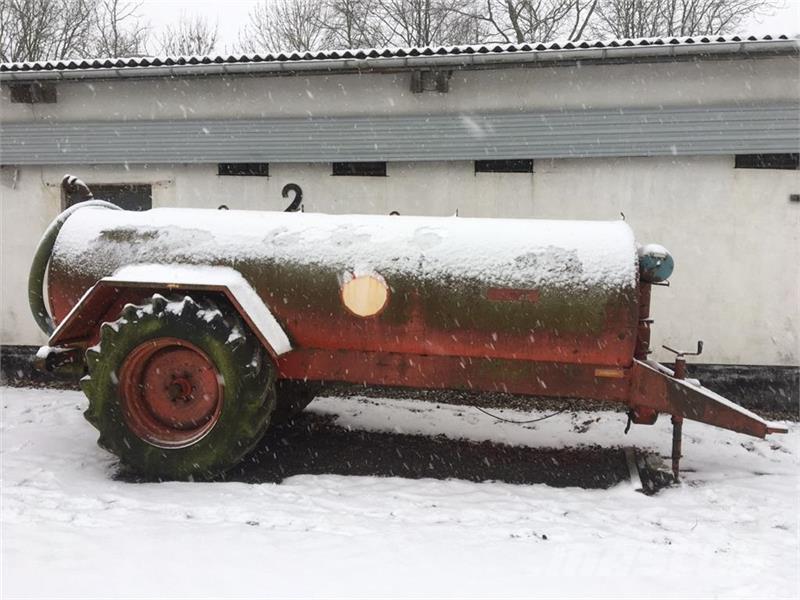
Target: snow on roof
x: 376, y: 57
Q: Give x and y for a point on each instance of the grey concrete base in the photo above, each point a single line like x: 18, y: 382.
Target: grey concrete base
x: 771, y: 389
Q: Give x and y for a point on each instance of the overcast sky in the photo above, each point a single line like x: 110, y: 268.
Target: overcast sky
x: 231, y: 15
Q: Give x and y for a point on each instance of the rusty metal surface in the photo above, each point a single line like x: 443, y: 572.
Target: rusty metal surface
x: 454, y: 372
x: 407, y: 326
x: 440, y: 316
x: 171, y: 393
x: 410, y: 328
x: 642, y: 348
x: 391, y: 367
x: 655, y: 390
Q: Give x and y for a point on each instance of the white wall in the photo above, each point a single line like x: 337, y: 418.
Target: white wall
x: 715, y: 82
x: 734, y: 234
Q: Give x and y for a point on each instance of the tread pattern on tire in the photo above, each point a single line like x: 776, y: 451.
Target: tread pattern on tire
x: 248, y: 397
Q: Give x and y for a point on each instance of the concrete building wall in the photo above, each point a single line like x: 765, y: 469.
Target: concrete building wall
x: 734, y: 233
x: 740, y: 82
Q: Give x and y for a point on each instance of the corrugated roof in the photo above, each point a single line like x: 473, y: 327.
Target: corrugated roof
x: 691, y: 130
x: 375, y: 56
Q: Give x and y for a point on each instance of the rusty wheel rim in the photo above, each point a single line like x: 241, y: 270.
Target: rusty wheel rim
x: 171, y: 392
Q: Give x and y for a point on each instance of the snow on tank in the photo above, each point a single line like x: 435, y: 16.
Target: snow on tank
x: 567, y: 255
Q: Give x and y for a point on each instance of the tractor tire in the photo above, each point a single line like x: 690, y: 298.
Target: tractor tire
x: 291, y: 398
x: 179, y: 389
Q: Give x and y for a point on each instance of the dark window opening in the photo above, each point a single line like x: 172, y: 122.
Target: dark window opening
x: 33, y: 93
x: 522, y: 165
x: 768, y: 161
x: 430, y: 81
x: 130, y: 196
x: 365, y: 169
x: 244, y: 169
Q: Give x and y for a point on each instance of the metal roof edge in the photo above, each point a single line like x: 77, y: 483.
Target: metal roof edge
x: 455, y: 57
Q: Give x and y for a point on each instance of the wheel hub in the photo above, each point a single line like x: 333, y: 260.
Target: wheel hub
x: 171, y: 392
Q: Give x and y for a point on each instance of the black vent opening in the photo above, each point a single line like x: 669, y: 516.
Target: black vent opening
x: 522, y: 165
x: 243, y: 169
x: 33, y: 93
x: 130, y: 196
x: 789, y: 161
x: 362, y: 169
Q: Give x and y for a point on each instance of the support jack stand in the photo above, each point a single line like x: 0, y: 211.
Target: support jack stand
x: 677, y: 431
x: 677, y: 419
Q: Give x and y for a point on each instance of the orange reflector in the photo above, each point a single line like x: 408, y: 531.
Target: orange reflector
x: 610, y: 373
x: 366, y: 295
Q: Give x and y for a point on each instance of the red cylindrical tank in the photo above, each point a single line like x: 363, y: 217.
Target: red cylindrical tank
x: 533, y: 290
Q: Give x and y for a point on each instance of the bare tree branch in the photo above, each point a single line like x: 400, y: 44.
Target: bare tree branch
x: 652, y: 18
x: 119, y: 30
x: 351, y: 24
x: 190, y: 36
x: 535, y: 20
x: 583, y: 15
x: 58, y: 29
x: 285, y: 25
x: 45, y: 29
x: 428, y: 22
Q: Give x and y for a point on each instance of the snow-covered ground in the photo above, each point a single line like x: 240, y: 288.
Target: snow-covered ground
x: 70, y: 530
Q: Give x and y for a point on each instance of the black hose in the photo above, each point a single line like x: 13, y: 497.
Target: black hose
x: 42, y: 258
x: 486, y: 412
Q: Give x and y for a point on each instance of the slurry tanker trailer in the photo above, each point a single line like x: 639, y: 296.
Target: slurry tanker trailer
x: 195, y: 330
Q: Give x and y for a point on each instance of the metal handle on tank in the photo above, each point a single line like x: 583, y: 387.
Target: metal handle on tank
x: 42, y: 258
